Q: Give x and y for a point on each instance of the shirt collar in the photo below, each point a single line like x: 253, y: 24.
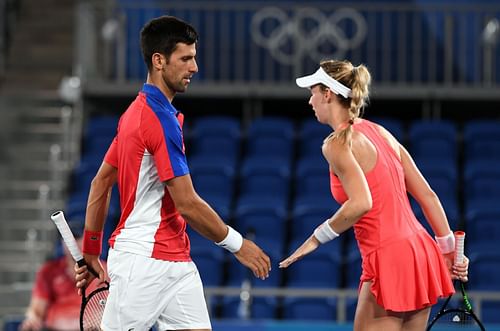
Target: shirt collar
x: 156, y: 93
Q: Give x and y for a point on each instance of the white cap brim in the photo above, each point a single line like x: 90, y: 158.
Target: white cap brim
x: 321, y: 77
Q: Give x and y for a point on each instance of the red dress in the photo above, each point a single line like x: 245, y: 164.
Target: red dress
x: 399, y: 257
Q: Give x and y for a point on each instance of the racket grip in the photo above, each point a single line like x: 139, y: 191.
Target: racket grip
x: 459, y: 246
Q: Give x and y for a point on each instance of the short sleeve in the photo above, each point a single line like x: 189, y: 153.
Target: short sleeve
x: 111, y: 156
x: 163, y: 139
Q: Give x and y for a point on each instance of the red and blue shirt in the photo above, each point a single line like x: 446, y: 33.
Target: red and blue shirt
x: 148, y: 150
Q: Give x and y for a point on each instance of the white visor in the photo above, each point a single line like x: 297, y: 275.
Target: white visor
x: 321, y: 77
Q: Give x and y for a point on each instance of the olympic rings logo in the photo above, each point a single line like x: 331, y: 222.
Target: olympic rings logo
x: 291, y: 39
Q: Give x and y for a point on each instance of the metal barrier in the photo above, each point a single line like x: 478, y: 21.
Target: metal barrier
x: 23, y: 290
x: 260, y: 47
x: 341, y: 295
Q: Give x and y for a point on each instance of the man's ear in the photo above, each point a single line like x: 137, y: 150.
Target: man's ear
x: 157, y: 61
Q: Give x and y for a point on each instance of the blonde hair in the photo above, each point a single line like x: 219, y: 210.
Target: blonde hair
x: 358, y: 79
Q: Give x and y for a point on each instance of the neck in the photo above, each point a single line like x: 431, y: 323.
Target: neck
x: 159, y: 83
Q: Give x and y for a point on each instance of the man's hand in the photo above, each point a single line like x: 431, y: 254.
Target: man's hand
x: 252, y: 257
x: 31, y: 323
x: 83, y: 277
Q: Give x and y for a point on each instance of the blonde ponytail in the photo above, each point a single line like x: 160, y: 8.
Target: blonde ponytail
x: 358, y: 79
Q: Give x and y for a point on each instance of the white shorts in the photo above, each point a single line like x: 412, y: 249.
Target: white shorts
x: 145, y: 291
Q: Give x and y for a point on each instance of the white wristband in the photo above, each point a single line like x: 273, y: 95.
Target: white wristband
x: 233, y: 240
x: 324, y: 233
x: 446, y: 243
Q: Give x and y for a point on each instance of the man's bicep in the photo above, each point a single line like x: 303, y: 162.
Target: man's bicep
x: 107, y: 172
x: 180, y: 189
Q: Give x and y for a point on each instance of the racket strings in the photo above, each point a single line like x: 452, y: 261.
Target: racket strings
x: 457, y: 320
x: 93, y: 311
x: 460, y: 318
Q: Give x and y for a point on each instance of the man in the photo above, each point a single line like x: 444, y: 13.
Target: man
x: 153, y: 280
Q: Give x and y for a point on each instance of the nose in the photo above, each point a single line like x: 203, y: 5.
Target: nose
x: 194, y: 67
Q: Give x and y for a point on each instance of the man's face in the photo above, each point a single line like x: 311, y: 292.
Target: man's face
x: 180, y: 67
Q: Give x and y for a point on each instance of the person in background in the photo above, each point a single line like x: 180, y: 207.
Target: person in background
x: 153, y: 279
x: 404, y: 271
x: 55, y: 304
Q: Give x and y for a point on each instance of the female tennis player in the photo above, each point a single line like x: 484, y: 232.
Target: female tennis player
x: 404, y: 271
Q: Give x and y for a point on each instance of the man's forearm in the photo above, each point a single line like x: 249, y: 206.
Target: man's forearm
x: 202, y: 218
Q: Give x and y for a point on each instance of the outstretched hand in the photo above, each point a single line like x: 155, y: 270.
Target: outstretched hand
x: 307, y: 247
x: 252, y: 257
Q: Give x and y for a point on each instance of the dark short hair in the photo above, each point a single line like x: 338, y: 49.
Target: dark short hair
x: 161, y: 35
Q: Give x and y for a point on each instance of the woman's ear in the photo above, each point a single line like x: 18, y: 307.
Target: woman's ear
x: 328, y: 95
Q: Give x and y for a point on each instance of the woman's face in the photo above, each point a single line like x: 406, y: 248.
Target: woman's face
x: 319, y: 103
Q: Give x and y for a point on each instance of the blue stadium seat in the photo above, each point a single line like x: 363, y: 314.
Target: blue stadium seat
x: 266, y: 217
x: 308, y: 214
x: 482, y: 180
x: 209, y: 260
x: 214, y: 180
x: 394, y: 126
x: 484, y: 265
x: 436, y: 140
x: 442, y: 175
x: 101, y: 126
x: 490, y: 312
x: 265, y: 165
x: 12, y: 322
x: 311, y: 180
x: 351, y: 305
x: 314, y: 309
x: 352, y: 265
x: 271, y: 136
x: 197, y: 240
x: 265, y: 179
x: 216, y: 137
x: 482, y: 221
x: 450, y: 206
x: 482, y: 140
x: 311, y: 136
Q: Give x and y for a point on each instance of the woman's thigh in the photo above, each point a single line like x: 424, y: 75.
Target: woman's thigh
x: 371, y: 316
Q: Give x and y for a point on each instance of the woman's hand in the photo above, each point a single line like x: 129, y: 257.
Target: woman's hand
x: 307, y: 247
x: 458, y: 271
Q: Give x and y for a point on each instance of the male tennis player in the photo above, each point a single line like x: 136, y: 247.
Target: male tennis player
x: 153, y: 280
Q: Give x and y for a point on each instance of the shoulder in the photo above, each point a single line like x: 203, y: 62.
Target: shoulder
x: 334, y: 149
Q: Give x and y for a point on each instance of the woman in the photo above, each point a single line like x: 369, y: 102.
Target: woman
x: 404, y: 270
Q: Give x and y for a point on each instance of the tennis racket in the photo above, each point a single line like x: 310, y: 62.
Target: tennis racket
x: 458, y: 316
x: 93, y: 304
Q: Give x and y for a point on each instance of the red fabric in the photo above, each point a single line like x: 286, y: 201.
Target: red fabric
x: 92, y: 242
x: 56, y: 285
x: 148, y: 151
x: 400, y: 258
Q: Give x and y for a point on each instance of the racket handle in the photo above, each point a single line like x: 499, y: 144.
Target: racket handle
x: 459, y: 246
x: 69, y: 240
x: 66, y: 234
